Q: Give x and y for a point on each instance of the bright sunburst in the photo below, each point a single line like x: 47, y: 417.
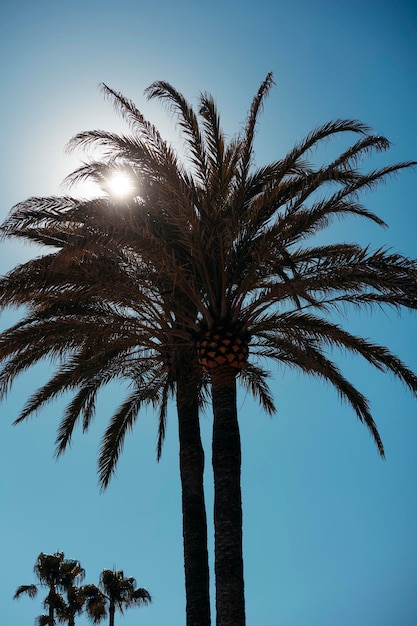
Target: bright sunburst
x: 120, y: 185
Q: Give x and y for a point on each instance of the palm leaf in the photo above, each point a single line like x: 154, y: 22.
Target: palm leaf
x: 121, y: 423
x: 30, y: 590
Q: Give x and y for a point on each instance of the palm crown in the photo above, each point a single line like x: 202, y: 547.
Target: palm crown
x: 115, y: 592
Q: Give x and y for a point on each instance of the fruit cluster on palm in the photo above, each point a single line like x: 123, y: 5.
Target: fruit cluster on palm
x: 209, y: 268
x: 66, y: 598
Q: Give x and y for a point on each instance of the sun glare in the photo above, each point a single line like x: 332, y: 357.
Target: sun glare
x: 120, y: 185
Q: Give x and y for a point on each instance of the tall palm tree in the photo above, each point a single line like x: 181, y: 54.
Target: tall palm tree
x: 115, y: 592
x: 227, y: 242
x: 236, y: 249
x: 57, y: 574
x: 262, y: 290
x: 102, y: 306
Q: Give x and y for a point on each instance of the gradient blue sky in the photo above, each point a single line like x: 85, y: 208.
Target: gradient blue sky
x: 329, y: 529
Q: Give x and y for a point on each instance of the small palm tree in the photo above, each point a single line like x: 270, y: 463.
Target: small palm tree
x: 56, y: 574
x: 72, y: 605
x: 115, y: 592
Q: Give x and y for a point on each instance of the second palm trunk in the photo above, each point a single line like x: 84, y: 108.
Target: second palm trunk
x: 230, y: 601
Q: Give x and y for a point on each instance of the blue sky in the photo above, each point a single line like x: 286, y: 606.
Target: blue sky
x: 329, y: 529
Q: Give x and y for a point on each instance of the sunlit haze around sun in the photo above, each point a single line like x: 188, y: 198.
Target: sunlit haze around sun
x: 120, y: 185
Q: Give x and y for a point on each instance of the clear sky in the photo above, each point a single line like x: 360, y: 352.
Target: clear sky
x: 329, y: 529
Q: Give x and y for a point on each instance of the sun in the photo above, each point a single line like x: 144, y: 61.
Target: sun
x: 120, y: 185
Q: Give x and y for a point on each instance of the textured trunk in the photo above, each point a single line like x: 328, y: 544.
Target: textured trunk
x: 230, y: 600
x: 112, y: 610
x: 51, y: 607
x: 193, y: 505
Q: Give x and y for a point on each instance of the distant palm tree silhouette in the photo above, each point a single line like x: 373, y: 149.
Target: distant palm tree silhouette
x: 115, y: 592
x: 57, y: 574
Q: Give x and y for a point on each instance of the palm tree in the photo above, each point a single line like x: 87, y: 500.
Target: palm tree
x: 115, y: 592
x: 106, y: 313
x: 231, y: 271
x: 57, y: 574
x: 72, y: 605
x: 236, y: 250
x: 260, y: 290
x: 92, y: 303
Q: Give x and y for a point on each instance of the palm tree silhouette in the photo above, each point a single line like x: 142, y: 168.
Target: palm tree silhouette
x: 232, y: 238
x: 57, y: 574
x: 233, y: 276
x: 71, y: 605
x: 263, y: 291
x: 97, y: 306
x: 107, y: 314
x: 115, y: 592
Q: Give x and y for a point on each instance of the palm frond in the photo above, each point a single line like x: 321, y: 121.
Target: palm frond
x: 141, y: 597
x: 254, y: 380
x: 121, y: 423
x: 30, y: 590
x: 307, y: 330
x: 188, y: 122
x: 214, y: 137
x: 314, y: 363
x: 163, y: 409
x: 249, y: 131
x: 83, y: 404
x: 137, y: 121
x: 321, y: 133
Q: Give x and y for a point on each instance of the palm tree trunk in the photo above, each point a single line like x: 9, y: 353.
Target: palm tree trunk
x: 193, y: 505
x: 51, y: 606
x: 226, y: 459
x: 112, y: 610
